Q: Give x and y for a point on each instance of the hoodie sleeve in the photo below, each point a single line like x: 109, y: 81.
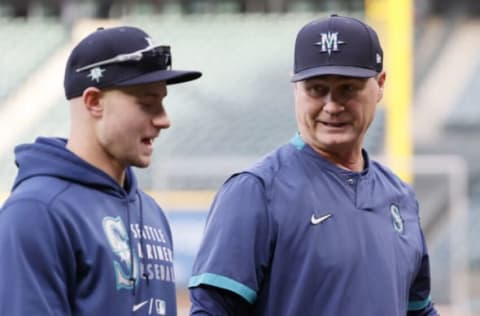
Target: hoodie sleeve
x: 32, y: 261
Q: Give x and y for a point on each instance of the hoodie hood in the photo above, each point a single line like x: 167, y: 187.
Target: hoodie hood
x: 50, y: 157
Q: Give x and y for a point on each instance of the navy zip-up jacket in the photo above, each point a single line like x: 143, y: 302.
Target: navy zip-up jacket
x: 297, y: 235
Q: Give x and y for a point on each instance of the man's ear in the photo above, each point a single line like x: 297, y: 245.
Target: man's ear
x: 91, y: 100
x: 382, y: 77
x: 295, y: 87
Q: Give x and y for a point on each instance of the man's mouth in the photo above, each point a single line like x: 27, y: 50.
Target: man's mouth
x: 334, y: 124
x: 147, y: 141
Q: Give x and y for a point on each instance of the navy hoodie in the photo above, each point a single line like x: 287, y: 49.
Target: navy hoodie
x: 73, y: 242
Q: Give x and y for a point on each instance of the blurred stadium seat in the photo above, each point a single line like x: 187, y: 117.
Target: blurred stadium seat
x: 24, y: 46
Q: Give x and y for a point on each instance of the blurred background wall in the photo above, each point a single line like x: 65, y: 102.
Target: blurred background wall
x: 242, y: 108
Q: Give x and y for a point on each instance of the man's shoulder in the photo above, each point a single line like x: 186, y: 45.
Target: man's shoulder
x: 387, y: 174
x: 30, y: 202
x: 38, y: 190
x: 277, y: 162
x: 149, y: 199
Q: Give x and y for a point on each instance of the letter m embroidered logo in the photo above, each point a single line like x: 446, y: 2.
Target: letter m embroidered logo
x: 329, y: 42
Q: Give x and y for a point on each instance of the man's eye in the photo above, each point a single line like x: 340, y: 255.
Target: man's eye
x: 316, y: 91
x: 152, y: 108
x: 349, y: 89
x: 147, y: 107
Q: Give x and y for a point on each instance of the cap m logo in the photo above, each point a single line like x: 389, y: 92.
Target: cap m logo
x: 329, y: 42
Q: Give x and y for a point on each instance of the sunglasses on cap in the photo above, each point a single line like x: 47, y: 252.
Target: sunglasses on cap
x: 158, y: 57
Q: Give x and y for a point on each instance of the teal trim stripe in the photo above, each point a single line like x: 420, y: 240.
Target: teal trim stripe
x: 224, y: 283
x: 418, y: 305
x: 297, y: 141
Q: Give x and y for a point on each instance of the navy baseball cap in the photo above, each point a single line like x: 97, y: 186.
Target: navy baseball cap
x: 337, y: 45
x: 117, y: 57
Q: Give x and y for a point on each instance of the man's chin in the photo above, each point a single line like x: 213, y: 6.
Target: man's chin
x: 143, y: 163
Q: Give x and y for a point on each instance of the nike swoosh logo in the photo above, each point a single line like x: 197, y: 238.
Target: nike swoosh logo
x: 318, y: 220
x: 136, y: 307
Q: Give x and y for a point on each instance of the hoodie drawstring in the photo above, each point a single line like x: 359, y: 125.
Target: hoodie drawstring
x: 142, y: 246
x: 132, y: 263
x: 132, y: 279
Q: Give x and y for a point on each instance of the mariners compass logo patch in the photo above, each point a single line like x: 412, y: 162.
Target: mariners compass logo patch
x: 96, y: 74
x: 397, y: 219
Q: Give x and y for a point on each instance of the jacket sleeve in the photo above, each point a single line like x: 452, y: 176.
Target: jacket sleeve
x: 428, y: 310
x: 237, y: 243
x: 209, y: 301
x: 32, y: 266
x: 419, y: 298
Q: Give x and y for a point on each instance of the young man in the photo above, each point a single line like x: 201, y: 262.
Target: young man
x: 78, y: 237
x: 317, y: 228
